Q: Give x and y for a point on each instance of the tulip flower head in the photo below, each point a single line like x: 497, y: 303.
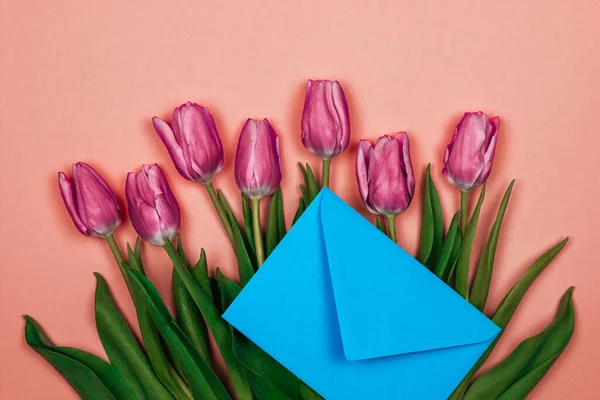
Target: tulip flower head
x: 257, y: 161
x: 470, y: 154
x: 384, y: 172
x: 192, y: 141
x: 90, y: 201
x: 325, y: 120
x: 153, y: 209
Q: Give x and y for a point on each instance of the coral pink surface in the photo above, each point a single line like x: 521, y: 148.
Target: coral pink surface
x: 81, y: 81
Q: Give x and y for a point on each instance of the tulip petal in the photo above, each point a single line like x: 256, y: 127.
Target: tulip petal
x: 202, y: 139
x: 167, y: 136
x: 341, y: 107
x: 67, y: 191
x: 165, y: 204
x: 407, y: 164
x: 363, y: 157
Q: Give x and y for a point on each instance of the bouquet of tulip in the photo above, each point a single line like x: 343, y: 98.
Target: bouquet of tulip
x: 173, y: 359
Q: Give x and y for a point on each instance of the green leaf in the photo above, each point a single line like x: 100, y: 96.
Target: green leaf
x: 464, y: 259
x: 241, y: 247
x: 311, y: 183
x: 305, y: 195
x: 135, y: 256
x: 305, y: 180
x: 217, y: 325
x: 299, y: 211
x: 379, y: 224
x: 281, y: 228
x: 507, y: 308
x: 532, y: 358
x: 245, y: 266
x: 204, y: 384
x: 189, y: 319
x: 276, y: 224
x: 90, y: 376
x: 509, y: 303
x: 268, y: 378
x: 483, y: 277
x: 450, y: 251
x: 432, y: 224
x: 247, y: 209
x: 200, y: 273
x: 306, y: 392
x: 152, y: 341
x: 555, y: 342
x: 188, y: 315
x: 122, y: 348
x: 272, y: 234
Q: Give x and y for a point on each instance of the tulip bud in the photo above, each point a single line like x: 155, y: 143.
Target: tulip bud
x: 470, y: 154
x: 193, y: 142
x: 385, y: 176
x: 257, y: 162
x: 325, y: 121
x: 153, y: 209
x: 90, y: 202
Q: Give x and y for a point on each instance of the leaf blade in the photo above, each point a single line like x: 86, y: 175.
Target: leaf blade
x: 507, y: 308
x: 91, y: 377
x: 432, y: 228
x: 204, y: 384
x: 121, y: 346
x: 483, y: 277
x: 463, y: 265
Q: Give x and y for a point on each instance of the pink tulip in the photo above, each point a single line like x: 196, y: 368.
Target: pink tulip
x: 385, y: 176
x: 325, y: 121
x: 257, y: 162
x: 470, y: 154
x: 193, y: 142
x: 90, y: 202
x: 153, y: 209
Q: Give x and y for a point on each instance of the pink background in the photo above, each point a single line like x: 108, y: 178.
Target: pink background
x: 81, y: 80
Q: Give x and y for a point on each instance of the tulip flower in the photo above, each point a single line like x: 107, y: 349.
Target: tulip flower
x: 470, y: 154
x: 258, y: 169
x: 192, y: 141
x: 195, y: 148
x: 153, y: 209
x: 386, y: 181
x: 90, y: 201
x: 325, y: 122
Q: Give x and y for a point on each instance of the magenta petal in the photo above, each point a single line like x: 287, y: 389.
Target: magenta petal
x: 68, y: 195
x: 363, y: 157
x: 167, y: 136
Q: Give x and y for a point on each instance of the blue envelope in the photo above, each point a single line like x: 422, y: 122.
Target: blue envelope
x: 356, y: 317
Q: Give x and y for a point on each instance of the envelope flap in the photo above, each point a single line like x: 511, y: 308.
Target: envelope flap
x: 387, y: 302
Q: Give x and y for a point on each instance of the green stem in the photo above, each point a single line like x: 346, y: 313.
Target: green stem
x: 114, y: 247
x: 258, y: 239
x: 464, y: 211
x: 391, y: 222
x: 222, y: 215
x: 325, y: 174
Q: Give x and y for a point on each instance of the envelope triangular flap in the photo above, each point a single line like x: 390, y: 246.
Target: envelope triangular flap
x: 387, y: 302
